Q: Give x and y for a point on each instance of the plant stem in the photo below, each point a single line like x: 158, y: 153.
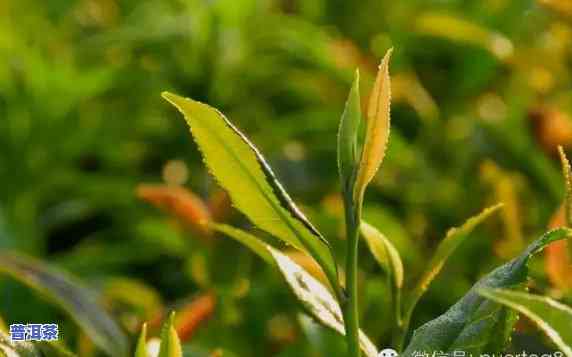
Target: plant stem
x: 401, y: 330
x: 350, y: 306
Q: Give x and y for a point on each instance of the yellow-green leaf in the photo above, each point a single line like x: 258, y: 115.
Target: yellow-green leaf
x: 141, y: 350
x: 567, y: 172
x: 240, y: 168
x: 316, y: 299
x: 80, y: 302
x: 552, y: 317
x: 247, y: 239
x: 384, y: 252
x: 348, y: 136
x: 461, y: 30
x: 17, y: 349
x: 455, y: 236
x: 54, y: 349
x: 170, y: 343
x: 377, y: 128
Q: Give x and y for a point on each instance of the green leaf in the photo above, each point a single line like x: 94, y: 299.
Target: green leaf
x: 80, y: 302
x: 141, y: 349
x: 170, y: 344
x: 316, y: 299
x: 17, y: 349
x: 247, y: 239
x: 455, y: 236
x: 377, y: 129
x: 389, y: 259
x: 384, y: 252
x: 552, y: 317
x: 240, y: 168
x: 567, y: 172
x: 477, y: 325
x: 348, y: 136
x: 50, y: 349
x: 459, y: 30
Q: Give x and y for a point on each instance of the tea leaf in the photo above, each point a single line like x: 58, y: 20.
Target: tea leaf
x: 17, y: 349
x: 141, y: 350
x: 455, y: 236
x: 247, y: 239
x: 348, y: 136
x: 384, y: 252
x: 475, y: 324
x: 567, y: 172
x: 31, y: 348
x: 552, y: 317
x: 460, y: 30
x: 242, y: 171
x: 179, y: 202
x: 193, y: 315
x: 388, y: 257
x: 316, y: 299
x: 377, y: 128
x: 54, y: 350
x: 78, y: 301
x: 170, y: 344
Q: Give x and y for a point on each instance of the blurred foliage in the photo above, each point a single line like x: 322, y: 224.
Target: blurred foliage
x: 482, y: 96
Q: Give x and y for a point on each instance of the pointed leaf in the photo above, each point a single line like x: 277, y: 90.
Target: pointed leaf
x: 141, y: 349
x: 377, y: 128
x: 389, y: 259
x: 242, y: 171
x: 170, y: 344
x: 455, y: 236
x: 247, y: 239
x: 316, y: 299
x: 80, y: 302
x: 384, y: 252
x: 17, y: 349
x: 474, y: 324
x: 552, y: 317
x: 348, y: 136
x: 51, y: 349
x: 567, y: 172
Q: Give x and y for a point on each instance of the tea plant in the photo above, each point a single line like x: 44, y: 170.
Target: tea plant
x: 475, y: 324
x: 480, y: 322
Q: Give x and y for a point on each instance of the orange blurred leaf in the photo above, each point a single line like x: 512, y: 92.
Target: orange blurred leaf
x: 190, y: 317
x: 179, y: 202
x: 557, y: 261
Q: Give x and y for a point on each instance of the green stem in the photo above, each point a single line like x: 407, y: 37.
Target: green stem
x: 399, y: 330
x: 350, y: 306
x: 402, y: 328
